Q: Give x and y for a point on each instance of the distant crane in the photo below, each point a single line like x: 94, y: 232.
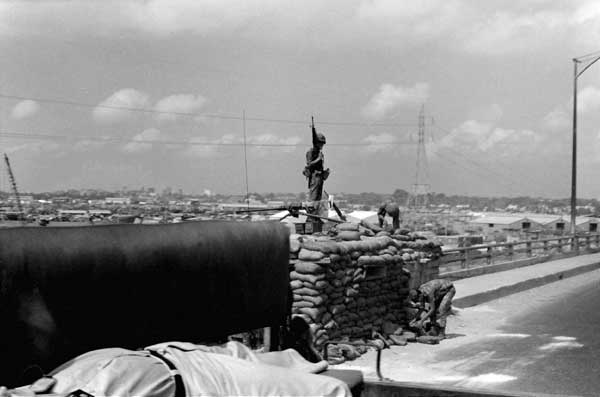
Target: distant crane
x: 13, y: 184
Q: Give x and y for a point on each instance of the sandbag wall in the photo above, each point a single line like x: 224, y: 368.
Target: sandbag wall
x: 347, y: 286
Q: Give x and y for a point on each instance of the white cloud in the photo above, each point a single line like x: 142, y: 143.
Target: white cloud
x: 489, y: 113
x: 511, y: 31
x: 390, y: 97
x: 258, y: 144
x: 482, y: 138
x: 34, y: 147
x: 588, y: 99
x: 287, y: 144
x: 25, y: 109
x: 115, y: 107
x: 200, y: 146
x: 477, y: 27
x: 180, y: 103
x: 557, y: 120
x: 145, y: 139
x: 380, y: 143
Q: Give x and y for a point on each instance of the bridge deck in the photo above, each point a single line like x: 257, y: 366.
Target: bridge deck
x: 475, y: 290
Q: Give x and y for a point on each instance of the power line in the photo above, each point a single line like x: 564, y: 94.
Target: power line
x: 109, y: 139
x: 207, y: 115
x: 480, y: 165
x: 508, y: 185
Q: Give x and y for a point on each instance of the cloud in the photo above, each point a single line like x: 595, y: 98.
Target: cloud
x: 25, y: 109
x: 258, y: 144
x: 390, y: 97
x: 458, y: 25
x: 557, y: 120
x: 145, y: 139
x: 588, y: 99
x: 34, y: 147
x: 513, y: 31
x: 115, y: 107
x: 380, y: 143
x: 483, y: 138
x: 489, y: 113
x: 180, y: 103
x: 288, y: 144
x: 202, y: 147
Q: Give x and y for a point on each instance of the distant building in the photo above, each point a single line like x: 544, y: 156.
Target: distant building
x: 586, y: 224
x: 492, y: 224
x: 61, y: 200
x: 25, y: 200
x: 117, y: 201
x: 554, y: 223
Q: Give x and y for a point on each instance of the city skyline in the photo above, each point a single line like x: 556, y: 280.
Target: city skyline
x: 165, y: 93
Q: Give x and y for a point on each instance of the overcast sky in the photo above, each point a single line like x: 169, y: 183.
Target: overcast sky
x: 105, y: 94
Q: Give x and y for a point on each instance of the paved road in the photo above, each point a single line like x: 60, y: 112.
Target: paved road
x: 554, y: 349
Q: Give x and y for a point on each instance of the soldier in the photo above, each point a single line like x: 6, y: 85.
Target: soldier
x: 314, y: 170
x: 392, y: 210
x: 437, y: 295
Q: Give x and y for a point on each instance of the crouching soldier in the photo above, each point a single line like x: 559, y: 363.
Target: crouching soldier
x: 435, y: 299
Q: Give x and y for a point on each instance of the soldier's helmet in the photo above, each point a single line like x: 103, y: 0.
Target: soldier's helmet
x: 321, y: 138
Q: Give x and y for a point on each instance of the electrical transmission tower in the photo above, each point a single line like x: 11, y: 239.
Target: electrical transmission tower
x: 419, y: 194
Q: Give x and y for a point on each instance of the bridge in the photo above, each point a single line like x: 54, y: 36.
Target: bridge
x: 485, y: 272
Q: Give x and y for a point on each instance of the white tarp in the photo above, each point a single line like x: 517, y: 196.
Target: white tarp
x: 228, y: 370
x: 358, y: 216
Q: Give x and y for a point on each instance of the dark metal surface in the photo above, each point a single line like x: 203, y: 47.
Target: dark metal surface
x: 64, y: 291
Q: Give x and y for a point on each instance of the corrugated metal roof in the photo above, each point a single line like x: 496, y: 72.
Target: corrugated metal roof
x: 546, y: 219
x: 500, y: 220
x: 580, y: 220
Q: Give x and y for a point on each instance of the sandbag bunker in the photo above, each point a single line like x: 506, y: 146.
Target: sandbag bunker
x: 352, y: 286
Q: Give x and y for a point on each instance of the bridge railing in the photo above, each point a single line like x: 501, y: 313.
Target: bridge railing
x: 488, y: 254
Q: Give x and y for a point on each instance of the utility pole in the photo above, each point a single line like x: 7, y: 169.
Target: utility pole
x: 587, y: 61
x: 418, y: 197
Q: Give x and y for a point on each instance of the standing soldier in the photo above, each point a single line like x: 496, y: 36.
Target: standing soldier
x: 315, y: 171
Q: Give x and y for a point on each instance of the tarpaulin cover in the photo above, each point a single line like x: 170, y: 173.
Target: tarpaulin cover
x: 228, y: 370
x: 65, y: 291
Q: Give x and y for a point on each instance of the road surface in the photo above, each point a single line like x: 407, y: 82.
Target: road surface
x: 544, y: 340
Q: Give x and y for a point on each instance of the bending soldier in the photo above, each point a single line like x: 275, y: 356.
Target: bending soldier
x: 392, y: 210
x: 437, y: 295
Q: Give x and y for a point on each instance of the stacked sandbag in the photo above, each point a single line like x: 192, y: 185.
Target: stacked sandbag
x: 349, y: 284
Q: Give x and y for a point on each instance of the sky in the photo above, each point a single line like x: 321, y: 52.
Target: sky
x: 112, y: 94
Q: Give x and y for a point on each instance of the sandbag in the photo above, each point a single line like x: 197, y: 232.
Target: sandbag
x: 307, y: 277
x: 296, y: 284
x: 429, y: 340
x: 398, y: 340
x: 348, y: 226
x: 308, y: 267
x: 308, y: 255
x: 306, y: 291
x: 313, y: 312
x: 314, y: 300
x: 325, y: 247
x: 349, y: 235
x: 301, y: 303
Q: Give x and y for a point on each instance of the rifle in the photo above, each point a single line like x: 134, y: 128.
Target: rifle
x: 336, y: 209
x: 293, y: 210
x: 314, y: 130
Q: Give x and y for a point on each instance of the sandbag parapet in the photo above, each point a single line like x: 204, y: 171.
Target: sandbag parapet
x: 350, y: 284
